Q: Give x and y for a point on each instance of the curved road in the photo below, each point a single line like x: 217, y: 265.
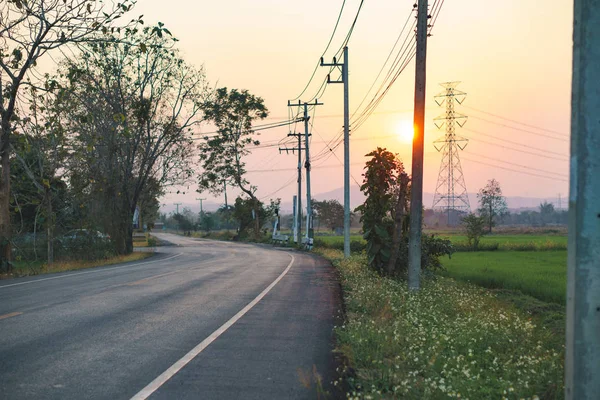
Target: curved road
x: 201, y: 320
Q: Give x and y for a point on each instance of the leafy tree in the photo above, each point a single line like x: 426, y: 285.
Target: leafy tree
x: 400, y: 215
x: 385, y: 217
x: 547, y: 212
x: 491, y: 202
x: 148, y: 202
x: 224, y: 216
x: 208, y: 221
x: 29, y: 30
x: 382, y: 178
x: 330, y: 212
x: 134, y: 105
x: 41, y: 150
x: 221, y: 155
x: 183, y: 222
x: 474, y: 227
x: 244, y: 211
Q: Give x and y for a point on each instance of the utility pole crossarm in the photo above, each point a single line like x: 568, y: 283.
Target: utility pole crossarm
x: 201, y: 210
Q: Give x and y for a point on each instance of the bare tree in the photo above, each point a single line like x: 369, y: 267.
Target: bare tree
x: 29, y: 29
x: 135, y: 103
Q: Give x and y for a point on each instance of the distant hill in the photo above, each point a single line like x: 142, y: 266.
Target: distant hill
x: 357, y: 198
x: 515, y: 203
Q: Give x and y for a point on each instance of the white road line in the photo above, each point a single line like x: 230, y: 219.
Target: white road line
x: 90, y: 272
x: 182, y: 362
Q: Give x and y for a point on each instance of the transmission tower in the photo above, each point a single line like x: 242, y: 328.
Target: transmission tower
x: 451, y: 190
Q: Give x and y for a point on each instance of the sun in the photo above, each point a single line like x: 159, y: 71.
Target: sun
x: 405, y: 131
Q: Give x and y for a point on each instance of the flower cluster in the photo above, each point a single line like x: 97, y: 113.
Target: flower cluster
x: 448, y: 340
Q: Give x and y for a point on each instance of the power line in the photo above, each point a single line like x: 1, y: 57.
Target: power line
x: 545, y: 171
x: 384, y: 64
x: 324, y: 51
x: 349, y: 35
x: 517, y: 122
x: 285, y: 185
x: 435, y: 13
x: 203, y: 136
x: 562, y: 139
x: 513, y: 142
x: 513, y: 149
x: 517, y: 171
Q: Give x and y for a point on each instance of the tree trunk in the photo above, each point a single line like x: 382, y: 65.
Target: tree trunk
x: 121, y: 226
x: 123, y: 236
x: 256, y: 219
x: 5, y: 227
x: 50, y: 219
x: 491, y: 218
x: 397, y: 236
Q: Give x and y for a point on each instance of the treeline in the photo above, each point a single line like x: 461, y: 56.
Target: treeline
x: 97, y: 141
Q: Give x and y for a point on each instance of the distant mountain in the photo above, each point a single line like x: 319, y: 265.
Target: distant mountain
x: 169, y: 208
x: 515, y: 203
x: 357, y: 198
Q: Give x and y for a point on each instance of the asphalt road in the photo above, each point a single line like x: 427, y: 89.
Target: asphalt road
x: 201, y: 320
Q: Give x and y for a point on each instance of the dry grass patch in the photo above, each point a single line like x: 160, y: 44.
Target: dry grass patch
x: 29, y: 268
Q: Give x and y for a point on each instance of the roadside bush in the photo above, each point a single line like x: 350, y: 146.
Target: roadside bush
x: 465, y: 246
x: 152, y: 241
x: 432, y: 248
x: 356, y: 246
x: 85, y: 249
x: 474, y: 227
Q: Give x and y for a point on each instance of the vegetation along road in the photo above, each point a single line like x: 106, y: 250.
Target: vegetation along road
x: 203, y: 319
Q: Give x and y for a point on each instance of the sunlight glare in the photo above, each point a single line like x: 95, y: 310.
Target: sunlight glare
x: 405, y: 131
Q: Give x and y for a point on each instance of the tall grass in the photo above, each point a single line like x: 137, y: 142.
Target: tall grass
x: 449, y: 340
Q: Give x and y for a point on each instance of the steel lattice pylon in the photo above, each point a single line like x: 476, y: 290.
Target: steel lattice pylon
x: 451, y: 190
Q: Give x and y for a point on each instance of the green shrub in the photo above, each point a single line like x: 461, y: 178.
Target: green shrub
x: 464, y: 246
x: 152, y: 241
x: 474, y: 227
x: 356, y: 246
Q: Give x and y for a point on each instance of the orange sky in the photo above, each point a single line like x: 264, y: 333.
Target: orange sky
x: 512, y: 56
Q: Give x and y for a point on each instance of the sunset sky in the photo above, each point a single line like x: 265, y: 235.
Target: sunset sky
x: 512, y: 57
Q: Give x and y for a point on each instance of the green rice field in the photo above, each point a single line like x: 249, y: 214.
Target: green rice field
x: 540, y: 274
x: 522, y: 242
x: 533, y: 264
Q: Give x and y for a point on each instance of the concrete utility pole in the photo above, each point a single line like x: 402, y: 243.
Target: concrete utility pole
x: 309, y: 229
x: 177, y: 205
x: 307, y: 134
x: 299, y: 204
x: 344, y: 70
x: 201, y: 211
x: 299, y: 213
x: 294, y: 211
x: 416, y: 198
x: 582, y: 362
